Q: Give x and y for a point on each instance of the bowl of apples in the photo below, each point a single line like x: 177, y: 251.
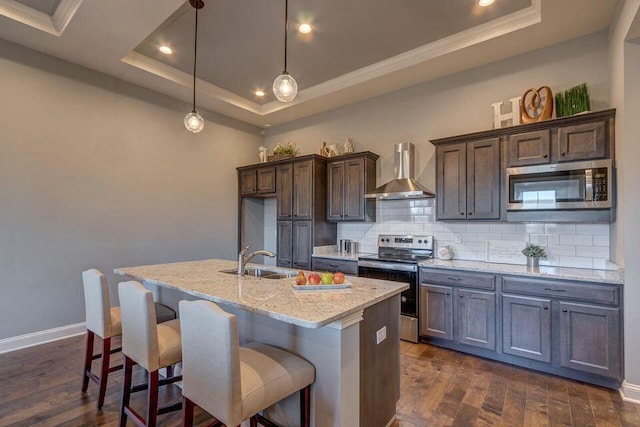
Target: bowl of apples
x: 321, y: 281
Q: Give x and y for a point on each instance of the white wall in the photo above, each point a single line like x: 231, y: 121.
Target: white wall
x: 455, y: 105
x: 95, y: 172
x: 624, y: 63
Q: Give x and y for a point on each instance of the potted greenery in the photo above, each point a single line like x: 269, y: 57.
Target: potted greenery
x: 533, y: 254
x: 285, y: 151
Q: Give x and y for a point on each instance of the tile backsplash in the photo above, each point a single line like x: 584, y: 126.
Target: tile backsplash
x: 567, y: 245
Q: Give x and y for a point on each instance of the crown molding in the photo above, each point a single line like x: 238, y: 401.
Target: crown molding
x: 41, y: 21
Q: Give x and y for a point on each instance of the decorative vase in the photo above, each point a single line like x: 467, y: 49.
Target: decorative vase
x: 533, y: 262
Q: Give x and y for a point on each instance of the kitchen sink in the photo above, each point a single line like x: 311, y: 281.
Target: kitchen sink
x: 262, y: 272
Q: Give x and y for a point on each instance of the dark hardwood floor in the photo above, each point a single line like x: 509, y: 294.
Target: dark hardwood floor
x: 41, y: 386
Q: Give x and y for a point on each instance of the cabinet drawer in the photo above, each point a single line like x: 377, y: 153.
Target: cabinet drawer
x: 449, y: 277
x: 332, y: 265
x: 563, y: 290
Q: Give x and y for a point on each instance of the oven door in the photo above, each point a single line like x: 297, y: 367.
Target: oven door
x: 408, y: 298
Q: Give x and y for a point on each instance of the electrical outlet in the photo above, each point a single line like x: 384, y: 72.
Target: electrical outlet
x: 381, y: 334
x: 457, y: 237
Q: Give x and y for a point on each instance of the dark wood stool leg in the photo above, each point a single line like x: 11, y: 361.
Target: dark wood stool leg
x: 152, y: 399
x: 126, y: 390
x: 88, y: 357
x: 187, y: 412
x: 305, y: 406
x: 253, y: 421
x: 170, y: 371
x: 104, y: 371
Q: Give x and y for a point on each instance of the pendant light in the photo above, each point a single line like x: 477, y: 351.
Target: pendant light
x: 285, y: 87
x: 194, y: 121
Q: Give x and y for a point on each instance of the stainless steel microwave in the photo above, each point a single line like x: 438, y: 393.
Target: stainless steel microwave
x: 573, y: 185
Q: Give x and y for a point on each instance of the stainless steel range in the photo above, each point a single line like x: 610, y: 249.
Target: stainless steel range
x: 397, y: 260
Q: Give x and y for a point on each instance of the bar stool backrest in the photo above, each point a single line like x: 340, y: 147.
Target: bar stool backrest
x: 96, y: 302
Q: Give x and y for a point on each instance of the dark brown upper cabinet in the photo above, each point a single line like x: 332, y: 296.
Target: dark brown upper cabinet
x: 257, y: 181
x: 468, y: 180
x: 349, y: 178
x: 529, y: 148
x: 583, y: 141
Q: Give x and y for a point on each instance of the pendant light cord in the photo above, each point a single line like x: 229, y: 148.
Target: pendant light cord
x: 195, y: 60
x: 286, y: 30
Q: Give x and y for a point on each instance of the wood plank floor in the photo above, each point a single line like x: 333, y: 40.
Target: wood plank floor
x: 40, y: 386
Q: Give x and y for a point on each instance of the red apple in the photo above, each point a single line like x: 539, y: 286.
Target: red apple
x: 314, y: 279
x: 338, y: 278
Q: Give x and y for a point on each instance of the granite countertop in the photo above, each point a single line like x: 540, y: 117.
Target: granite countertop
x: 614, y: 276
x: 267, y: 297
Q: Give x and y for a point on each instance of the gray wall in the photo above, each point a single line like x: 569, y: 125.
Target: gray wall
x: 95, y: 172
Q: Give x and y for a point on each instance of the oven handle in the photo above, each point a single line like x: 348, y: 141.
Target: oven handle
x: 388, y: 265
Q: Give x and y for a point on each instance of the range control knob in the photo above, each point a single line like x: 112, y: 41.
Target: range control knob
x: 420, y: 241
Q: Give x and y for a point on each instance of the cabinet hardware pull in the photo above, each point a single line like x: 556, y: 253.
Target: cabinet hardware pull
x: 333, y: 265
x: 555, y: 290
x: 470, y: 213
x: 461, y: 213
x: 564, y: 310
x: 546, y: 307
x: 563, y: 153
x: 455, y: 279
x: 461, y: 296
x: 448, y: 293
x: 545, y: 156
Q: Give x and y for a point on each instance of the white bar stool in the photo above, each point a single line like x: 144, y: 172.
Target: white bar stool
x: 230, y: 382
x: 101, y: 320
x: 149, y: 344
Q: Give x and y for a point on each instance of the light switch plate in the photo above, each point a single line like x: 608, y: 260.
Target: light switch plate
x: 458, y: 237
x: 381, y: 334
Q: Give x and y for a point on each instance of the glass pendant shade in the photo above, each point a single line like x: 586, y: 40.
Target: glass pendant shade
x: 285, y: 87
x: 194, y: 122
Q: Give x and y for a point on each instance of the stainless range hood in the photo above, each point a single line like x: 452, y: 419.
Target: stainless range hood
x: 403, y: 186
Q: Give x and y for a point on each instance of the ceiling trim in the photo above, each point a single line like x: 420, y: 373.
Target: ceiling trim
x: 170, y: 73
x: 498, y: 27
x: 39, y: 20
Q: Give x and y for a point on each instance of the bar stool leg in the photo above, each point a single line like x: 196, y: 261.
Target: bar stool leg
x: 126, y: 390
x: 187, y: 412
x: 104, y: 371
x: 152, y: 399
x: 88, y: 358
x: 253, y: 422
x: 305, y: 406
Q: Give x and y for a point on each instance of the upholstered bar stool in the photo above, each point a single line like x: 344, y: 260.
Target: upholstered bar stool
x: 230, y: 382
x: 104, y: 321
x: 148, y: 344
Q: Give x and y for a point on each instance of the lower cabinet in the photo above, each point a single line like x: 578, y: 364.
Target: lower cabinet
x: 590, y: 339
x: 294, y: 244
x: 473, y: 314
x: 526, y: 327
x: 284, y: 243
x: 563, y: 327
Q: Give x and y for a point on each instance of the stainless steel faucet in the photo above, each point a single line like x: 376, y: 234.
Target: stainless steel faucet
x: 242, y: 260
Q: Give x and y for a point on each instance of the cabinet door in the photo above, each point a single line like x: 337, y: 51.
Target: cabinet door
x: 266, y: 180
x: 354, y: 190
x: 529, y: 148
x: 590, y: 339
x: 302, y: 246
x: 335, y: 187
x: 303, y: 190
x: 284, y: 193
x: 284, y: 243
x: 526, y: 327
x: 476, y: 318
x: 436, y: 311
x: 582, y: 142
x: 248, y: 182
x: 451, y: 181
x: 483, y: 179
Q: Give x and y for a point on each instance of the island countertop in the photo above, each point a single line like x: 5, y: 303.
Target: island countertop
x: 273, y: 298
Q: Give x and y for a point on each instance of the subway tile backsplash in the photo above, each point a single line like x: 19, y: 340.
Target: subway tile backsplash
x: 568, y: 245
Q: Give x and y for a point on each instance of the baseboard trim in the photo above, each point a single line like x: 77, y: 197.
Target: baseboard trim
x: 630, y: 392
x: 36, y: 338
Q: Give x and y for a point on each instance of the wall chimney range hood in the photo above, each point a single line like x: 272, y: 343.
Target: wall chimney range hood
x: 404, y: 186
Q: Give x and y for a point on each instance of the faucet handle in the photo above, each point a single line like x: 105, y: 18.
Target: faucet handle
x: 243, y: 250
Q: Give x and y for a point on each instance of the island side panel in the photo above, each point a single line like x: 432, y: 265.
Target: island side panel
x: 380, y: 363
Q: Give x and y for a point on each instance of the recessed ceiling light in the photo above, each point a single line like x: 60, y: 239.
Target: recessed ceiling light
x: 304, y: 28
x: 166, y: 50
x: 485, y: 3
x: 259, y: 93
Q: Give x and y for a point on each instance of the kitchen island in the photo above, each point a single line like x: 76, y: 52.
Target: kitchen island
x: 357, y: 377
